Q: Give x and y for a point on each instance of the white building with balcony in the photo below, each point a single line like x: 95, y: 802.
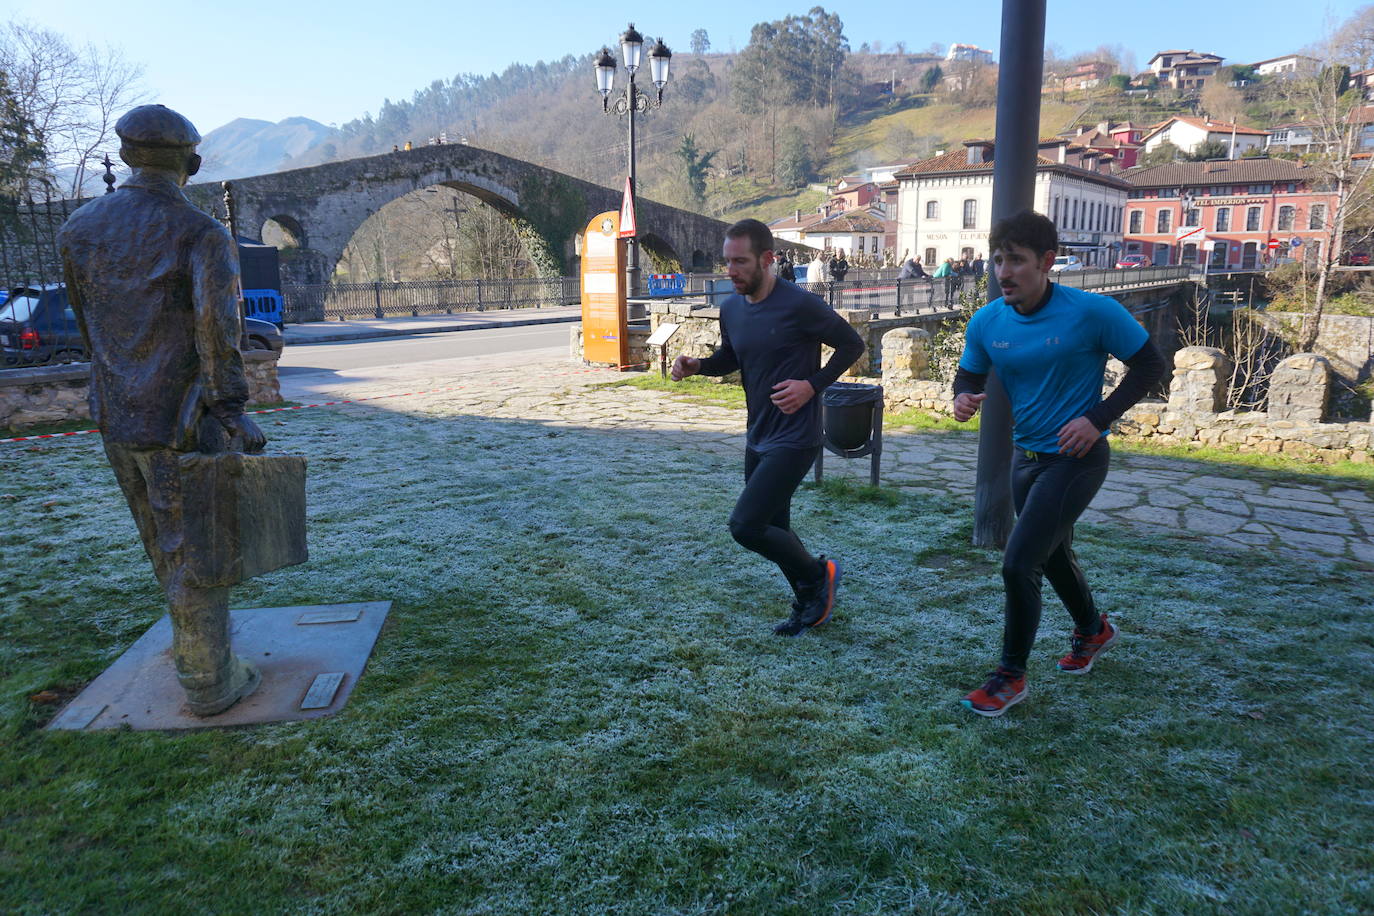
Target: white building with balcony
x: 945, y: 203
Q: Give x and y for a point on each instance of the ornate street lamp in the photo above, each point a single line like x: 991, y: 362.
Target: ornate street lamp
x: 631, y: 48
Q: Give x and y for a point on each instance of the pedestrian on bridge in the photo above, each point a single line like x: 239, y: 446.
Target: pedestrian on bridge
x: 771, y: 331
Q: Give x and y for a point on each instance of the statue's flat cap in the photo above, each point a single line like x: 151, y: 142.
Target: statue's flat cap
x: 156, y: 125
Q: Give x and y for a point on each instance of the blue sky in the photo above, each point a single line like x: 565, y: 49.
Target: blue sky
x: 334, y: 61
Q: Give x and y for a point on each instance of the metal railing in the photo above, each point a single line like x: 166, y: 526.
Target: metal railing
x: 325, y: 301
x: 1114, y: 278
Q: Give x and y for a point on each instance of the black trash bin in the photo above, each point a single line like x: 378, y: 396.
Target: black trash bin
x: 852, y: 417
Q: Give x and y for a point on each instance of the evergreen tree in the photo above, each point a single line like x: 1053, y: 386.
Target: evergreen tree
x: 694, y: 166
x: 794, y: 158
x: 22, y: 154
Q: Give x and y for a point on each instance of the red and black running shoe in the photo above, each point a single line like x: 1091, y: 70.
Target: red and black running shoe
x: 1084, y: 650
x: 1003, y: 690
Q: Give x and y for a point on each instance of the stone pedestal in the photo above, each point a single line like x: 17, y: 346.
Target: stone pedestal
x: 1201, y: 377
x: 858, y: 320
x: 906, y: 354
x: 310, y: 657
x: 1300, y: 388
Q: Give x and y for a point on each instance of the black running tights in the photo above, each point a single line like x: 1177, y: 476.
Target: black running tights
x: 1050, y: 492
x: 762, y: 520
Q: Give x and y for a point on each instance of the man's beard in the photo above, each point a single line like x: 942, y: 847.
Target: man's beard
x: 750, y: 285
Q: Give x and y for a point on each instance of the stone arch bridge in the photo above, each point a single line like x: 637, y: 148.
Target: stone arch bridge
x: 320, y: 207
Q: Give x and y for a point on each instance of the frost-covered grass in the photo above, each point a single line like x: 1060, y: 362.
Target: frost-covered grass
x: 701, y: 389
x: 577, y: 706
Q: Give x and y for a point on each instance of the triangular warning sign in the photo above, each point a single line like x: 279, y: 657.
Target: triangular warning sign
x: 627, y: 213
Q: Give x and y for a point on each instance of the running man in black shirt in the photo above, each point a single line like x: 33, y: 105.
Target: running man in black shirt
x: 771, y: 331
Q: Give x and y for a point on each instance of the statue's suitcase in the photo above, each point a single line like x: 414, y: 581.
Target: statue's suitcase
x: 244, y: 515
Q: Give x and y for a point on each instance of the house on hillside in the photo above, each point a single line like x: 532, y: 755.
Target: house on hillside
x: 1190, y: 133
x: 860, y: 231
x: 969, y: 53
x: 944, y: 205
x: 1189, y: 70
x: 793, y: 228
x: 1122, y: 140
x: 1307, y: 137
x: 1363, y: 80
x: 880, y: 174
x: 1294, y: 137
x: 1288, y: 66
x: 1088, y: 75
x: 1363, y: 117
x: 1225, y: 212
x: 856, y: 196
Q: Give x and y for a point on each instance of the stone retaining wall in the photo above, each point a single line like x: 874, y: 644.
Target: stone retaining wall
x: 1347, y: 341
x: 1195, y: 413
x: 48, y: 395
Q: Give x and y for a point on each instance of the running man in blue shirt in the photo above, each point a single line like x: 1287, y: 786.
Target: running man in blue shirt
x: 772, y: 331
x: 1049, y: 344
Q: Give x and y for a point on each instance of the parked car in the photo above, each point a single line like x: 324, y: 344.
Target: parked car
x: 1066, y: 262
x: 1127, y: 261
x: 261, y: 335
x: 1357, y: 259
x: 38, y: 326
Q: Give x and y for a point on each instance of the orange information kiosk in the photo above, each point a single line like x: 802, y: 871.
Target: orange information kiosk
x: 605, y: 327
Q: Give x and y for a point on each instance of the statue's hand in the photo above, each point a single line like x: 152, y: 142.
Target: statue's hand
x: 244, y: 433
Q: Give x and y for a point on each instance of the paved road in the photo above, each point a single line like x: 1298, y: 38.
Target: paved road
x: 391, y: 351
x: 308, y: 371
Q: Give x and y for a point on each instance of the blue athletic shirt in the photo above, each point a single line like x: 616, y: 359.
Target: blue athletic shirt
x: 1051, y: 362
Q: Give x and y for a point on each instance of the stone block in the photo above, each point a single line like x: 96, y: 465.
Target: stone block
x: 906, y: 354
x: 1300, y: 388
x: 1200, y: 379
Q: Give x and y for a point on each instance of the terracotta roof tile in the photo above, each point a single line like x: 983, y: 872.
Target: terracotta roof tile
x: 957, y: 161
x: 850, y: 221
x: 1211, y: 126
x: 1219, y: 171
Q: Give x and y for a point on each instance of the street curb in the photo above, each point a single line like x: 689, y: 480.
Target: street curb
x: 369, y: 333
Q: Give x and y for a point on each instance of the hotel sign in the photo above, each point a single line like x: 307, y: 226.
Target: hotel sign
x: 1226, y: 201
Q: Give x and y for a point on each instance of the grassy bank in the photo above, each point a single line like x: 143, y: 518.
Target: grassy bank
x: 577, y: 706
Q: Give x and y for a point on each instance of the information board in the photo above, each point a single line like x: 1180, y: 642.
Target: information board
x: 605, y: 328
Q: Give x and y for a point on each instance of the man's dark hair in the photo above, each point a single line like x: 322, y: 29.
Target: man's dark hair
x: 760, y: 236
x: 1028, y: 229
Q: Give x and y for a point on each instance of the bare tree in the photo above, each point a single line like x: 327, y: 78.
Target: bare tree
x: 1337, y: 117
x: 72, y: 96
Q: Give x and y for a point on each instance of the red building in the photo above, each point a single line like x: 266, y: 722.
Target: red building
x: 1232, y: 208
x: 1121, y: 141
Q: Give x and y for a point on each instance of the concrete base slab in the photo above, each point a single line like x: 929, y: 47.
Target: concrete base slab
x: 310, y: 658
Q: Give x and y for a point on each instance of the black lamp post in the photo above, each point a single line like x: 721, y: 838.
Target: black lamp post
x: 631, y: 46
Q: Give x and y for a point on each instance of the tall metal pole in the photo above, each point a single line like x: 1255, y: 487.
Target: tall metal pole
x: 632, y: 270
x: 1013, y: 190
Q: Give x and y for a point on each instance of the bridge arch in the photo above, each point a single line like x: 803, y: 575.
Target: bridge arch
x: 323, y: 206
x: 660, y: 256
x: 283, y: 231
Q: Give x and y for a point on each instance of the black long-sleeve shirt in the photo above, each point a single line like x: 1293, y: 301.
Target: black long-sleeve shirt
x: 776, y: 339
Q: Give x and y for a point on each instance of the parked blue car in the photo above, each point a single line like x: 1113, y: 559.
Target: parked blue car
x: 38, y: 327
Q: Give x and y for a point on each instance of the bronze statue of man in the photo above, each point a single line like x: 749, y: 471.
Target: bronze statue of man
x: 154, y: 283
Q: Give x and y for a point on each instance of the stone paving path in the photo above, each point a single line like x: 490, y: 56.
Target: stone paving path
x: 1225, y: 507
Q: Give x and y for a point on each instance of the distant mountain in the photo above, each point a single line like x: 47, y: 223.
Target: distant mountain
x: 247, y: 146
